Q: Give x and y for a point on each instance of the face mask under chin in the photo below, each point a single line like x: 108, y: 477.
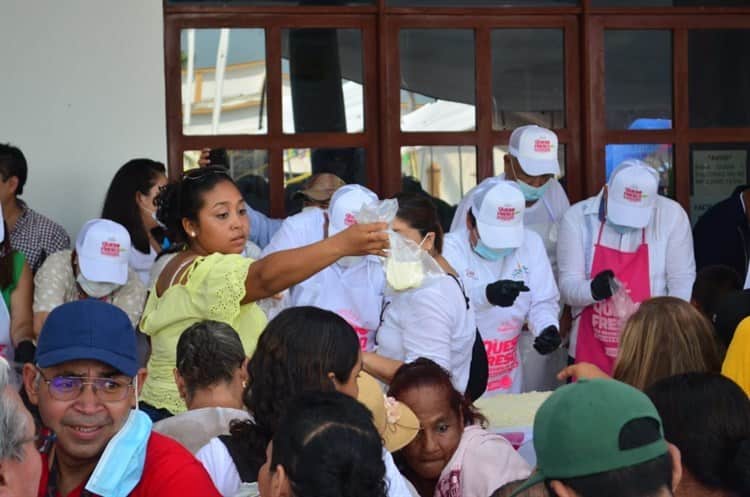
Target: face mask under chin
x: 620, y: 229
x: 532, y: 193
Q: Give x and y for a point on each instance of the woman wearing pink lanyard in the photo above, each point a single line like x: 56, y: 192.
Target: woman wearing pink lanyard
x: 654, y: 256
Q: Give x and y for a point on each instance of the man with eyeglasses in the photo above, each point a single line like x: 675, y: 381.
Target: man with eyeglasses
x: 20, y: 465
x: 85, y: 383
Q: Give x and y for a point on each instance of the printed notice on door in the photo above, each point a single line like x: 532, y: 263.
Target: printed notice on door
x: 716, y: 173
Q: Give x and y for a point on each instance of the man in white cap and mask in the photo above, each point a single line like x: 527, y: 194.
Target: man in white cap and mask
x: 352, y: 287
x: 97, y: 268
x: 630, y: 233
x: 508, y: 279
x: 532, y: 163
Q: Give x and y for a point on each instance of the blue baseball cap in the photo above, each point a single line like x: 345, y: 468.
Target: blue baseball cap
x: 88, y: 329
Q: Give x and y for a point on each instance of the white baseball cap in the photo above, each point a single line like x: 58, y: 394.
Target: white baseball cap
x: 102, y: 247
x: 536, y: 150
x: 632, y: 191
x: 345, y: 203
x: 498, y: 210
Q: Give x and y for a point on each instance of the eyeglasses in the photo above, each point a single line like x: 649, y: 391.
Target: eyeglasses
x: 66, y: 388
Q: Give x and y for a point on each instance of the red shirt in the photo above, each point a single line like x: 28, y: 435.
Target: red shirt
x: 169, y: 471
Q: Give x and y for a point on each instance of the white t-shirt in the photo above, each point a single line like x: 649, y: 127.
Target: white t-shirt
x: 220, y: 466
x: 141, y: 263
x: 432, y: 322
x: 670, y: 252
x: 542, y: 217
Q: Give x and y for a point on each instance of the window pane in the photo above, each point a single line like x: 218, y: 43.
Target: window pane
x: 668, y: 3
x: 300, y: 163
x: 445, y: 173
x: 249, y: 168
x: 658, y: 156
x: 528, y: 84
x: 322, y: 80
x: 719, y: 77
x: 716, y: 170
x: 223, y: 81
x: 498, y: 153
x: 437, y: 79
x: 638, y: 78
x: 482, y: 3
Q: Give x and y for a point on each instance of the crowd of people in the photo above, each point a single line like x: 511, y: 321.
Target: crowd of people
x: 188, y: 344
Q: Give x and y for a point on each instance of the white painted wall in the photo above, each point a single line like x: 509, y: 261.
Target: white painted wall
x: 81, y: 92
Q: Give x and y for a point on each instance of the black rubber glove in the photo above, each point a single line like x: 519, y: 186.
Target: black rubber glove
x: 548, y: 340
x: 601, y: 285
x: 504, y: 292
x: 25, y: 352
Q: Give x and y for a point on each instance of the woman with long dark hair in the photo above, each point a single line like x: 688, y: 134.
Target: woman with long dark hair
x: 130, y: 202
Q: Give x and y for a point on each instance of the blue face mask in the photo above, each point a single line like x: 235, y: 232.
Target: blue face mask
x: 121, y: 465
x: 622, y: 230
x: 532, y: 193
x: 491, y: 254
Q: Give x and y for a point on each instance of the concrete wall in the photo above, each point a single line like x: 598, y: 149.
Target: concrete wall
x: 81, y: 92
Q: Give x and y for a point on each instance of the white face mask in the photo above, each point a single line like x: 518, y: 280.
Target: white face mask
x: 96, y: 289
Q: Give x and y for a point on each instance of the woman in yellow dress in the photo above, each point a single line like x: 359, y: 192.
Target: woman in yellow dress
x: 210, y: 279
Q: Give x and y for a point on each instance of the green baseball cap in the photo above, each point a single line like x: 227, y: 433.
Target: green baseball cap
x: 577, y: 431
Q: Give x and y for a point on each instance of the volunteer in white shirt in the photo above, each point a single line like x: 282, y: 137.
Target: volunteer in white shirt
x: 430, y: 317
x: 628, y: 232
x: 508, y: 279
x: 352, y: 287
x: 532, y: 163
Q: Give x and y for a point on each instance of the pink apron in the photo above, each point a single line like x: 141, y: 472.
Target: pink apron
x: 599, y: 327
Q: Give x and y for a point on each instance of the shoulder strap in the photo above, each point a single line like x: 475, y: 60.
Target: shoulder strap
x: 182, y: 266
x: 458, y: 282
x: 246, y: 468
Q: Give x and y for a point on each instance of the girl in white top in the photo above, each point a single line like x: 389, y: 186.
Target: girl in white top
x: 432, y: 320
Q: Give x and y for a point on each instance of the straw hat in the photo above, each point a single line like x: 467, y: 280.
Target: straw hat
x: 396, y: 423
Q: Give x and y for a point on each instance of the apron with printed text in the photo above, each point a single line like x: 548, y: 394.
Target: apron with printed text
x: 500, y: 328
x: 599, y: 327
x: 6, y: 345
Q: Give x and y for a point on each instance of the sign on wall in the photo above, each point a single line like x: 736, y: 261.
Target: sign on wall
x: 716, y: 173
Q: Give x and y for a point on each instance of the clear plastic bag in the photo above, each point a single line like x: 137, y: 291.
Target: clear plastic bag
x: 407, y: 265
x: 621, y: 304
x: 378, y: 212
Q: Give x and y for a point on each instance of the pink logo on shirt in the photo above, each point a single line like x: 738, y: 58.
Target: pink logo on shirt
x: 542, y: 146
x: 506, y: 213
x: 110, y: 249
x: 633, y: 195
x: 349, y: 219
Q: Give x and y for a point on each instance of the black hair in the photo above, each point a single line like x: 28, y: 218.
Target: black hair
x: 208, y: 352
x: 426, y: 373
x: 730, y: 310
x: 647, y: 479
x: 711, y: 284
x: 420, y: 213
x: 184, y: 199
x: 13, y: 163
x: 328, y: 445
x: 295, y: 353
x: 137, y: 175
x: 707, y: 416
